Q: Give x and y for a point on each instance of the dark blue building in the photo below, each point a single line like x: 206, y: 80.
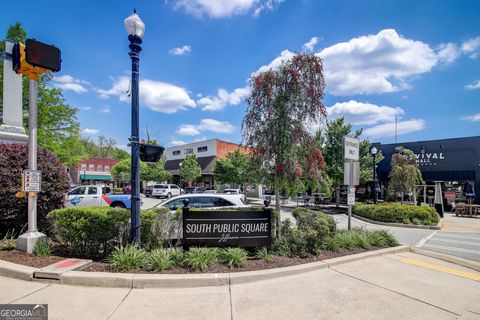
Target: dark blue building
x: 452, y: 161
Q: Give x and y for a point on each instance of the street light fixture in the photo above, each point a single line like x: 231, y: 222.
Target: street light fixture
x: 374, y: 154
x: 135, y: 30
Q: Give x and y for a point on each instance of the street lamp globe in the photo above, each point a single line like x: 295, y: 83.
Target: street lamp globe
x: 374, y: 151
x: 134, y: 25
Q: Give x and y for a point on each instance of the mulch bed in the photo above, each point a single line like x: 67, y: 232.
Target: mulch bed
x: 252, y: 264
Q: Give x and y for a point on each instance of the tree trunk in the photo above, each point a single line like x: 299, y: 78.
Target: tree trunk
x: 277, y: 208
x: 337, y: 197
x: 401, y: 199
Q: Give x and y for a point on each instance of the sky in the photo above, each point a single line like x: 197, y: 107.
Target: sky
x: 417, y: 61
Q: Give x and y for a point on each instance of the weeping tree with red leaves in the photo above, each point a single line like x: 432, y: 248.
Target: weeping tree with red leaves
x: 283, y: 103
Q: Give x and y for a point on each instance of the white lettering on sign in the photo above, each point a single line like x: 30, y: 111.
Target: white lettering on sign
x: 351, y: 148
x: 427, y: 159
x: 32, y: 180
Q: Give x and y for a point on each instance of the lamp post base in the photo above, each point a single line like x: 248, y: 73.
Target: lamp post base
x: 26, y: 242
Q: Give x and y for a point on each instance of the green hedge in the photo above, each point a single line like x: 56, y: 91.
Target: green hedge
x: 95, y: 231
x: 90, y: 231
x: 398, y: 213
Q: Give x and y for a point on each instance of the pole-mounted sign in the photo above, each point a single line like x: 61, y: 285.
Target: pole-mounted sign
x: 351, y: 173
x: 32, y: 60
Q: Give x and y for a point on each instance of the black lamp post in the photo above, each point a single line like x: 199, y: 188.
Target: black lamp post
x: 135, y: 29
x: 374, y: 155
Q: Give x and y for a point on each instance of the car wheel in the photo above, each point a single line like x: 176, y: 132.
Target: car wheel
x: 118, y: 205
x: 169, y: 195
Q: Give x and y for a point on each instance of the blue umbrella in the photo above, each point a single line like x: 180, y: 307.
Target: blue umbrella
x: 469, y: 190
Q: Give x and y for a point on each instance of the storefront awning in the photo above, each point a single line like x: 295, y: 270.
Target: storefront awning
x: 95, y: 177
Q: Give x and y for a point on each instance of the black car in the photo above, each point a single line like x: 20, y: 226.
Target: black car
x: 194, y: 190
x: 148, y: 191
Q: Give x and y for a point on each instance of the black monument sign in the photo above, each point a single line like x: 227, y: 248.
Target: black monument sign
x: 216, y: 228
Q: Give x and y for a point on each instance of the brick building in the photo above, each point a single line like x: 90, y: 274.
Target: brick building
x: 207, y: 152
x: 93, y: 171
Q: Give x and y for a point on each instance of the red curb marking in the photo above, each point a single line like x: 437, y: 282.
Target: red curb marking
x: 67, y: 263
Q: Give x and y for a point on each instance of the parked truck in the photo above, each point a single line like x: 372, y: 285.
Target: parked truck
x: 96, y: 196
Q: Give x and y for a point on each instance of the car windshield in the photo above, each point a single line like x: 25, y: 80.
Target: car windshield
x: 160, y: 186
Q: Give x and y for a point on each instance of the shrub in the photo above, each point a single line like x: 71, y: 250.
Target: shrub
x: 311, y: 231
x: 8, y: 242
x: 13, y: 211
x: 264, y: 254
x: 127, y: 258
x: 159, y: 260
x: 159, y: 227
x: 200, y: 258
x: 42, y: 248
x: 178, y: 257
x: 90, y: 231
x: 398, y: 213
x: 331, y: 244
x: 234, y: 257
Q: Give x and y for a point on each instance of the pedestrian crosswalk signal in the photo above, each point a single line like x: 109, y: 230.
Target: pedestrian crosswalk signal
x: 42, y: 55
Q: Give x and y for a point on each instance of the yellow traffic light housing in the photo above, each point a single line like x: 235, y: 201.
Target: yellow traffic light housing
x: 21, y: 66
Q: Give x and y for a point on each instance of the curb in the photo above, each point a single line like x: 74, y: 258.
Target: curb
x: 401, y: 225
x: 140, y: 281
x: 445, y: 257
x: 17, y: 271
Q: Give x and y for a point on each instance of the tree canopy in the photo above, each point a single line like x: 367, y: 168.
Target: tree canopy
x: 236, y: 168
x: 405, y: 174
x: 190, y: 169
x: 283, y: 103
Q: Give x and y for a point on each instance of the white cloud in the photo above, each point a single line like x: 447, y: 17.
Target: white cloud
x: 473, y: 118
x: 155, y: 95
x: 388, y: 129
x: 471, y: 47
x: 210, y: 125
x: 177, y: 142
x: 310, y: 45
x: 223, y: 9
x: 359, y: 113
x: 223, y: 98
x: 284, y: 56
x: 105, y: 110
x: 375, y: 63
x: 188, y: 130
x: 181, y: 50
x: 67, y: 82
x: 90, y: 131
x: 474, y: 85
x: 448, y: 52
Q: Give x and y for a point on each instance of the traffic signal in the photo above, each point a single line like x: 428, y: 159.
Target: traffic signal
x: 150, y: 152
x: 42, y: 55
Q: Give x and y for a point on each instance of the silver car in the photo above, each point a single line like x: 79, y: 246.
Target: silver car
x: 202, y: 200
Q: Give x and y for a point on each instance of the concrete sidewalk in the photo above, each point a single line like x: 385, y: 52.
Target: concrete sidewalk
x: 397, y: 286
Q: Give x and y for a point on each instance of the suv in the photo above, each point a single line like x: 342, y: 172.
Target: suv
x: 165, y: 190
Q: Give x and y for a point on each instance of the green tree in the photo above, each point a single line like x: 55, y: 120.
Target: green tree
x: 235, y: 168
x: 156, y: 171
x: 282, y: 104
x: 190, y: 169
x: 405, y: 174
x: 366, y: 161
x: 121, y: 170
x: 58, y: 127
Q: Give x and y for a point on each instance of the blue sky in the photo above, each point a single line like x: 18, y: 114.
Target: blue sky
x: 415, y: 60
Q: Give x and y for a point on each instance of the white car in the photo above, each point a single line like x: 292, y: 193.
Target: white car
x: 202, y: 200
x: 166, y: 190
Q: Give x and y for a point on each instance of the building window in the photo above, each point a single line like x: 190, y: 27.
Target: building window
x: 107, y: 168
x: 189, y: 151
x: 91, y: 167
x: 84, y: 167
x: 99, y: 167
x: 202, y: 149
x: 176, y: 152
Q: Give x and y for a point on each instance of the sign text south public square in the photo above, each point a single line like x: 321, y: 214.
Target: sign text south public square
x: 227, y: 228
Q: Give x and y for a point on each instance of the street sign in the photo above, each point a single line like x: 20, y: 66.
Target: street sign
x: 351, y: 147
x: 355, y: 179
x: 32, y: 180
x: 351, y: 196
